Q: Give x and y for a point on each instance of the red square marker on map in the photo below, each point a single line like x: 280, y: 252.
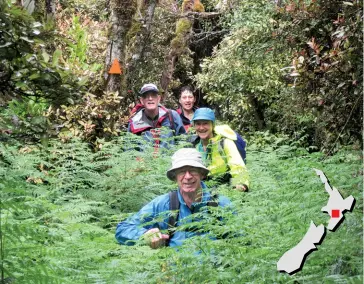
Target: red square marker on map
x: 335, y: 213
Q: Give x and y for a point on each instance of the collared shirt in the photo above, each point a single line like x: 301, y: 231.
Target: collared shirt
x: 152, y: 122
x: 155, y: 215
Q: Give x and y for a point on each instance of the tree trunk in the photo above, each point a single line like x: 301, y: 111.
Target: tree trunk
x: 179, y: 44
x: 168, y: 70
x: 121, y: 18
x: 145, y: 34
x: 257, y: 111
x: 141, y: 42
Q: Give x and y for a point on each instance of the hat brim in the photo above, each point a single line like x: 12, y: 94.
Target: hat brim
x: 171, y: 173
x: 148, y: 91
x: 201, y: 118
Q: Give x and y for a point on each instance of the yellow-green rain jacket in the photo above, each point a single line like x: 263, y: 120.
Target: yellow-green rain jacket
x: 227, y: 160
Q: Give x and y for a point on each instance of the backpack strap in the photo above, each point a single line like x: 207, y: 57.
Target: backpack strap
x: 171, y: 121
x: 194, y: 139
x: 174, y: 204
x: 172, y: 219
x: 221, y: 150
x: 214, y: 201
x: 238, y: 146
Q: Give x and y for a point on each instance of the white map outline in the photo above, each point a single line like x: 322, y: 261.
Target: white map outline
x: 293, y: 260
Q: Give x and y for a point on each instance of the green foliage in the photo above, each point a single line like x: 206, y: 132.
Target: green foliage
x: 178, y: 43
x: 96, y: 9
x: 35, y: 73
x: 60, y: 206
x: 251, y: 84
x: 81, y: 43
x: 97, y: 117
x: 293, y: 68
x: 210, y: 4
x: 266, y: 141
x: 26, y: 67
x: 325, y: 41
x: 48, y: 193
x: 25, y: 118
x: 79, y: 48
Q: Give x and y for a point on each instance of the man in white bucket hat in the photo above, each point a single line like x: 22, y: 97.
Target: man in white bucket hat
x: 192, y: 196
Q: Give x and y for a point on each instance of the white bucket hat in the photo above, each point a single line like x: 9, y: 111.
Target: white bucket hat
x: 186, y: 157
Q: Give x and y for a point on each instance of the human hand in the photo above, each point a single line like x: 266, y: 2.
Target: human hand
x: 241, y: 187
x: 155, y: 238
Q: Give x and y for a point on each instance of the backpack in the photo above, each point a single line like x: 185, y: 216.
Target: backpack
x: 240, y: 144
x: 174, y: 204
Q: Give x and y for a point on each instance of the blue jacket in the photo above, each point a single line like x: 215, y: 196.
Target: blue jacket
x: 130, y: 230
x: 162, y: 138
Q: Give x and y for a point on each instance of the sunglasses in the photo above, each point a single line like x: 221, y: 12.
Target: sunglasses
x: 147, y: 95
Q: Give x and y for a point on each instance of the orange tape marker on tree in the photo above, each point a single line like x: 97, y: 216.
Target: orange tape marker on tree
x: 115, y: 68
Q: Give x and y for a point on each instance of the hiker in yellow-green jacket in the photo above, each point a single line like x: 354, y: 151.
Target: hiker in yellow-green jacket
x: 219, y: 151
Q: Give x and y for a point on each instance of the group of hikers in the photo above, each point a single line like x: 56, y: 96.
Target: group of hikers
x: 216, y: 153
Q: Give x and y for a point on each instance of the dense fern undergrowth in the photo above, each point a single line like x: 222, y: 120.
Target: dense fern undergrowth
x: 60, y: 205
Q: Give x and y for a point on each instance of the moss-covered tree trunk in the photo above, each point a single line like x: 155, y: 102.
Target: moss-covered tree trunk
x: 144, y: 36
x: 122, y: 12
x: 180, y: 43
x: 142, y: 28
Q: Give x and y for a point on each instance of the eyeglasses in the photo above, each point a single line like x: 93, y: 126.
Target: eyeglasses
x: 151, y: 94
x: 182, y: 172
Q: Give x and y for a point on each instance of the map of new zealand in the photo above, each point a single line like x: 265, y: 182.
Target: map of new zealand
x: 292, y: 261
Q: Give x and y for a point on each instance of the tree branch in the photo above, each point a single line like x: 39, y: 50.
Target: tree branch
x: 199, y: 15
x: 197, y: 37
x: 195, y: 15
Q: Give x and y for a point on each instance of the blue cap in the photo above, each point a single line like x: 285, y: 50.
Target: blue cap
x: 148, y: 88
x: 204, y: 113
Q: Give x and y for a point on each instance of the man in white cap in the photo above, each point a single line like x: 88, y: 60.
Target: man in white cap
x: 150, y: 116
x: 152, y: 221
